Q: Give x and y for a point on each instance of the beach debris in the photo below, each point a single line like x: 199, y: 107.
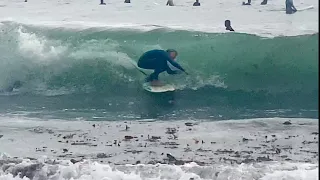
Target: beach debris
x: 287, y: 123
x: 73, y: 161
x: 65, y: 150
x: 171, y: 158
x: 80, y: 143
x: 189, y: 124
x: 103, y: 155
x: 155, y: 137
x: 128, y: 137
x: 245, y: 139
x: 69, y: 136
x: 171, y: 131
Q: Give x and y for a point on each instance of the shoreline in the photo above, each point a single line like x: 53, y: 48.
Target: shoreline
x: 165, y: 142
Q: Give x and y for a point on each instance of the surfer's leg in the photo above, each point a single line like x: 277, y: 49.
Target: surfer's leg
x: 153, y: 77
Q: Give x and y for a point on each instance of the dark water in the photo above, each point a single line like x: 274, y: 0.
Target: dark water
x: 89, y: 74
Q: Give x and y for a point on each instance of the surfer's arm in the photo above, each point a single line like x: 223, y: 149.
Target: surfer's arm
x: 175, y: 64
x: 169, y: 71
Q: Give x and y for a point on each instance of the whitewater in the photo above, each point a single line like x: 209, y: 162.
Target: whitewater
x: 247, y: 111
x: 145, y: 15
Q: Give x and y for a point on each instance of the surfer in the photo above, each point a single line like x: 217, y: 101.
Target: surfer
x: 102, y: 3
x: 264, y: 2
x: 248, y: 3
x: 290, y: 9
x: 170, y: 3
x: 227, y: 24
x: 159, y: 61
x: 15, y: 85
x: 196, y: 3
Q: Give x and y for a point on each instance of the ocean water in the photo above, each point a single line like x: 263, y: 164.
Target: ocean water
x: 76, y: 62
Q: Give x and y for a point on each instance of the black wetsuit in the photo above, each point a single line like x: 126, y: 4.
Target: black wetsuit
x: 229, y: 28
x: 157, y: 60
x: 196, y: 4
x: 290, y: 9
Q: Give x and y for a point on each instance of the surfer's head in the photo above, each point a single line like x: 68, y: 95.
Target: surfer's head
x: 227, y: 23
x: 172, y: 53
x: 17, y: 84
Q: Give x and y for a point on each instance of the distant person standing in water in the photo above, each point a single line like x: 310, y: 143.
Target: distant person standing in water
x: 15, y: 85
x: 102, y: 3
x: 290, y: 9
x: 127, y: 1
x: 227, y: 24
x: 264, y: 2
x: 248, y: 3
x: 196, y: 3
x: 170, y: 3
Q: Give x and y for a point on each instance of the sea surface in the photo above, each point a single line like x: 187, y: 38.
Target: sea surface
x: 76, y: 62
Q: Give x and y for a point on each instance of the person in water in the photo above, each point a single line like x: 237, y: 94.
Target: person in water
x: 248, y: 3
x: 159, y: 61
x: 290, y: 9
x: 196, y: 3
x: 170, y: 3
x: 15, y: 85
x: 227, y: 24
x: 264, y: 2
x: 102, y: 2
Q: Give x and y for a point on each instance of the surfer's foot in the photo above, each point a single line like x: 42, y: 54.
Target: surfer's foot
x: 156, y: 83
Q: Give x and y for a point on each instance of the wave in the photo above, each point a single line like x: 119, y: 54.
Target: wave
x: 47, y: 169
x: 63, y: 61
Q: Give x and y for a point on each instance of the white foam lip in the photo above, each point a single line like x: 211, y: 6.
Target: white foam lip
x: 146, y: 15
x: 47, y: 169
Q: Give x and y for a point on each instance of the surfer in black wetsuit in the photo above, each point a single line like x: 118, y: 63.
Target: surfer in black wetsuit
x: 248, y: 3
x: 290, y: 9
x: 159, y: 61
x: 196, y: 3
x: 264, y: 2
x: 170, y: 3
x: 227, y: 24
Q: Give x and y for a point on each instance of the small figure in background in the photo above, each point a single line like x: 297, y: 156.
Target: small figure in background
x: 227, y: 24
x: 15, y: 85
x: 248, y: 3
x: 290, y: 9
x: 196, y: 3
x: 127, y: 1
x: 170, y: 3
x: 102, y: 3
x: 264, y: 2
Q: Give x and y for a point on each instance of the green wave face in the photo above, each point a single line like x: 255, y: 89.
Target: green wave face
x: 100, y: 61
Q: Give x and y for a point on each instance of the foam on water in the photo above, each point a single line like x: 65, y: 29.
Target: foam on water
x: 146, y: 15
x: 45, y: 169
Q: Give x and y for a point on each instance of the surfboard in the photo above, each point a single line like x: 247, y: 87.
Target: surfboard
x: 305, y: 8
x: 298, y: 8
x: 157, y: 89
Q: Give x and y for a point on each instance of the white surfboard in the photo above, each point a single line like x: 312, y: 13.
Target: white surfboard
x: 298, y: 8
x: 305, y: 8
x: 157, y: 89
